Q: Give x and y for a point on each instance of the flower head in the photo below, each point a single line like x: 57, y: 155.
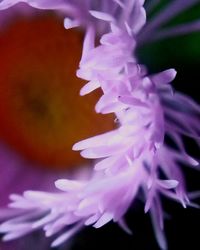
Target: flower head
x: 130, y: 157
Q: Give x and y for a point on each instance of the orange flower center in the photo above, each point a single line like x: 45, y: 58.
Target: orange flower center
x: 41, y: 112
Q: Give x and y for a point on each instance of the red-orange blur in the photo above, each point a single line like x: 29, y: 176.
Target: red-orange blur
x: 41, y: 112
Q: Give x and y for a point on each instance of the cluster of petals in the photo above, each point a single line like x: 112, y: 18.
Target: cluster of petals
x: 129, y: 159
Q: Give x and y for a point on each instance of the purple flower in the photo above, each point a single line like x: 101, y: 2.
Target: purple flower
x: 129, y: 158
